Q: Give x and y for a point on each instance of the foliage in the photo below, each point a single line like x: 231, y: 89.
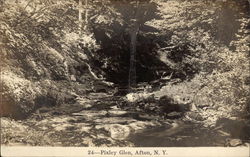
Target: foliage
x: 36, y: 46
x: 218, y: 68
x: 194, y: 41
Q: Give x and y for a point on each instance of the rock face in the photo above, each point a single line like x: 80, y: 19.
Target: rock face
x: 18, y: 95
x: 21, y: 96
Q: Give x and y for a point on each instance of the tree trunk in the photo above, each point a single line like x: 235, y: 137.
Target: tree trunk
x: 80, y: 16
x: 132, y: 68
x: 133, y: 43
x: 86, y: 14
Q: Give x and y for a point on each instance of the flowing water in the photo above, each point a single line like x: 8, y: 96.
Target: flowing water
x: 97, y: 121
x: 184, y: 135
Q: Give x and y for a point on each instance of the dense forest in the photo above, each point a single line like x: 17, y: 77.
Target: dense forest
x: 112, y: 72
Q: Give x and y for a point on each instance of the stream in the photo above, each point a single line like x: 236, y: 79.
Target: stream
x: 95, y: 120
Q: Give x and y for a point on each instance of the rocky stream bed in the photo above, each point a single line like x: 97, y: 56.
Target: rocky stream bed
x: 98, y: 120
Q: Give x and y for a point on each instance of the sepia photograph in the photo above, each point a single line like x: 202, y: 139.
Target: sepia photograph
x: 120, y: 74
